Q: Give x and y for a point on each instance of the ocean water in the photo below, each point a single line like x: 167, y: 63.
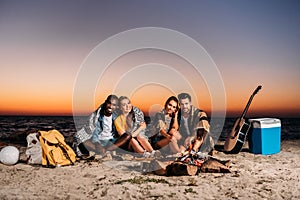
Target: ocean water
x: 13, y: 129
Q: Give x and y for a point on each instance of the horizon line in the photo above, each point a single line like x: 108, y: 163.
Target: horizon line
x: 147, y: 115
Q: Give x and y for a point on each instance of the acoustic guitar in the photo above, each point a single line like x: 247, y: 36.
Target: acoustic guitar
x: 236, y: 139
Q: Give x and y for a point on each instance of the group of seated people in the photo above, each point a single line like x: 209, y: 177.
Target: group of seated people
x: 117, y: 124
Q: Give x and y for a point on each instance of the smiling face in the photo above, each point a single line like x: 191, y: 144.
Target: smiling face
x: 111, y: 106
x: 125, y: 106
x: 171, y: 107
x: 185, y: 105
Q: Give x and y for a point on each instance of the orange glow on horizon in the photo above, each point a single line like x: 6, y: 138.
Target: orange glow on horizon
x: 53, y: 98
x: 151, y: 98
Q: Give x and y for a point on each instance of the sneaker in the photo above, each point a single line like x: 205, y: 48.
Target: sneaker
x: 108, y: 155
x: 91, y: 156
x: 146, y: 154
x: 98, y: 157
x: 155, y: 154
x: 193, y: 152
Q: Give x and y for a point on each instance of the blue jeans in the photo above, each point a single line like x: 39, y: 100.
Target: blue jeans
x: 104, y: 143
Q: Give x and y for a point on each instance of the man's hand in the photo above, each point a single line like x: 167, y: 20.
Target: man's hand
x: 188, y: 141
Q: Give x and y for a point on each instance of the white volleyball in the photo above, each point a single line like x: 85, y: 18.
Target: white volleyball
x: 9, y: 155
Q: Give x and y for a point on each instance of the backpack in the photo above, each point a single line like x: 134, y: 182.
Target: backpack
x: 34, y: 150
x: 55, y: 151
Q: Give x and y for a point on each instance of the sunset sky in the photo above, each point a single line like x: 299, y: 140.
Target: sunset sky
x: 44, y: 46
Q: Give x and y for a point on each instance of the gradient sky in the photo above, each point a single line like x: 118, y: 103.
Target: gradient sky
x: 44, y: 43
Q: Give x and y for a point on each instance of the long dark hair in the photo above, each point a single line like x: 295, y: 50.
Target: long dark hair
x: 174, y: 99
x: 173, y: 114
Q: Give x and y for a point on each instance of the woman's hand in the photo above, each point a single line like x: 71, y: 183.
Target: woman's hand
x: 142, y: 125
x: 137, y: 131
x: 173, y: 132
x: 172, y: 138
x: 176, y: 114
x: 177, y: 135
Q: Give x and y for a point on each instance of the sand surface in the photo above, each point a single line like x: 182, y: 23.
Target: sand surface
x: 252, y: 177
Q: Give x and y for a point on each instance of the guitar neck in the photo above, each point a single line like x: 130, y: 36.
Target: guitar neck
x: 249, y: 101
x: 246, y: 108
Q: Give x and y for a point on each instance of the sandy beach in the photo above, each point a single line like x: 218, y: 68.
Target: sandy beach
x: 252, y: 176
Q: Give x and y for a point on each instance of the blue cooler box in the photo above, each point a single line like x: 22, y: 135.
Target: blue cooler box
x: 265, y: 137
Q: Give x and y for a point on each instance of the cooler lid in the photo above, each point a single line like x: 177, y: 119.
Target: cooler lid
x: 265, y: 122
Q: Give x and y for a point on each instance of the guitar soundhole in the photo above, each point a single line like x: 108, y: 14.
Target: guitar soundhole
x: 243, y: 132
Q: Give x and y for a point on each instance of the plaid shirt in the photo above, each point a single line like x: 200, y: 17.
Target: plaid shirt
x: 94, y: 125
